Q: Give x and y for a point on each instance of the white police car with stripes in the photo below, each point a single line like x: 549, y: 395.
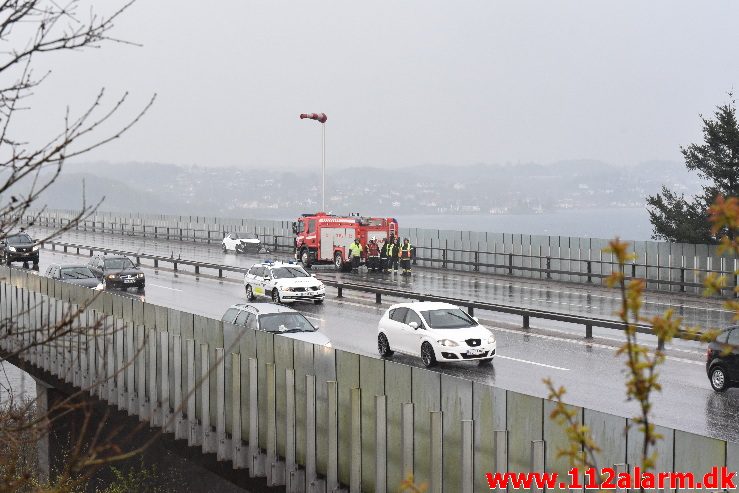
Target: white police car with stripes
x: 283, y: 282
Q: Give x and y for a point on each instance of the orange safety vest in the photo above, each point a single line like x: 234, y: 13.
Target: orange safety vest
x: 405, y: 250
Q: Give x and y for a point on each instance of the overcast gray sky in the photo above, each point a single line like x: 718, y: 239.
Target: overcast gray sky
x: 406, y: 83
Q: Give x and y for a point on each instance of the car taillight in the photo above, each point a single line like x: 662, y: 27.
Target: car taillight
x: 708, y: 353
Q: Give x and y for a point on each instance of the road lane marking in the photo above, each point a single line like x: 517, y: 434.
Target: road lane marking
x: 163, y: 287
x: 533, y: 363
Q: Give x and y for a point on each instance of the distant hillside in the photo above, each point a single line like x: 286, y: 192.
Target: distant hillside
x: 434, y: 189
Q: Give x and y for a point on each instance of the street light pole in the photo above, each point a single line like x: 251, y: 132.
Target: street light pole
x: 323, y: 167
x: 321, y: 118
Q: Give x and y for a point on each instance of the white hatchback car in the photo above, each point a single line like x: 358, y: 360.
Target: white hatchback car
x: 241, y: 243
x: 283, y: 283
x: 435, y: 332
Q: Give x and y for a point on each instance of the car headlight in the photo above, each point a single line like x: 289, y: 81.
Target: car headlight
x: 288, y: 288
x: 112, y: 276
x: 12, y: 249
x: 448, y: 343
x: 36, y: 247
x: 328, y: 344
x: 491, y: 339
x: 140, y: 275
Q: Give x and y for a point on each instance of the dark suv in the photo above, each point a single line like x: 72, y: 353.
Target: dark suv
x: 722, y: 360
x: 19, y: 248
x: 117, y: 271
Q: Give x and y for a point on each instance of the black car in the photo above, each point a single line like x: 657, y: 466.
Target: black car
x: 19, y: 248
x: 117, y: 271
x: 722, y: 360
x: 81, y: 275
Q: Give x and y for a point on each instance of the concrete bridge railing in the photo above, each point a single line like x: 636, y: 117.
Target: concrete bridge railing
x: 309, y: 417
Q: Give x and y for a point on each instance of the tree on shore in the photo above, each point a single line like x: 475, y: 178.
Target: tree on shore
x: 686, y: 219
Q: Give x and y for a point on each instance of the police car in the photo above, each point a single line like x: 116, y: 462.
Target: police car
x: 241, y: 243
x: 284, y: 282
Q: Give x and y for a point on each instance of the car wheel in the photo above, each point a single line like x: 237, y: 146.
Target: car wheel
x: 338, y: 261
x: 485, y: 362
x: 276, y: 296
x: 427, y: 355
x: 305, y: 258
x: 223, y: 245
x: 718, y: 379
x: 317, y: 302
x: 140, y: 289
x: 239, y: 249
x: 249, y: 293
x: 383, y: 346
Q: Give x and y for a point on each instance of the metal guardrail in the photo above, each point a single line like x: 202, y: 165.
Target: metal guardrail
x: 437, y: 257
x: 526, y: 313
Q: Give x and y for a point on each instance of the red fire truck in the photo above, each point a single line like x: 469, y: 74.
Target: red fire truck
x: 322, y: 238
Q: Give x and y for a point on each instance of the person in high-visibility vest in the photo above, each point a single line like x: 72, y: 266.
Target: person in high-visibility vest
x: 355, y: 253
x: 405, y: 253
x: 391, y: 250
x: 383, y: 255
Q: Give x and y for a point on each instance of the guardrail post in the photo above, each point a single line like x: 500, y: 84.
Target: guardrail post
x: 197, y: 269
x: 65, y: 248
x: 332, y: 468
x: 500, y: 452
x: 195, y: 436
x: 590, y: 270
x: 294, y: 477
x: 437, y: 453
x: 355, y: 474
x: 175, y: 265
x: 633, y: 270
x: 239, y: 450
x: 78, y: 250
x: 588, y: 331
x: 138, y: 260
x: 378, y: 298
x: 525, y: 321
x: 224, y: 443
x: 471, y: 311
x: 443, y: 259
x: 53, y: 247
x: 209, y: 437
x: 468, y: 450
x: 156, y: 263
x: 209, y: 237
x: 380, y: 444
x: 256, y: 458
x: 407, y: 439
x: 92, y: 252
x: 477, y: 262
x: 339, y: 293
x: 220, y: 272
x: 538, y: 452
x: 682, y: 279
x: 549, y: 267
x: 510, y: 264
x: 275, y: 467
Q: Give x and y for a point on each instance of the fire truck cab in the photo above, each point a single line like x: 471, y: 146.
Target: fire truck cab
x: 322, y: 238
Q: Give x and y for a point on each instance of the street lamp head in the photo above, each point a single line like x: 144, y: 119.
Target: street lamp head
x: 320, y: 117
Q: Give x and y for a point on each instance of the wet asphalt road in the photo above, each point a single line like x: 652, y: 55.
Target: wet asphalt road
x: 590, y: 370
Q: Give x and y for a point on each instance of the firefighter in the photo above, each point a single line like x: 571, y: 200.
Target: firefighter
x: 383, y: 255
x: 373, y: 255
x: 391, y: 251
x: 405, y: 254
x: 355, y: 253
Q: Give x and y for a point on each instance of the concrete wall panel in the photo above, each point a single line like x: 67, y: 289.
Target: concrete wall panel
x: 347, y: 373
x: 398, y: 392
x: 303, y: 357
x: 456, y: 404
x: 609, y: 432
x: 697, y: 454
x: 426, y: 394
x: 372, y: 383
x: 525, y: 423
x: 324, y: 361
x: 556, y: 439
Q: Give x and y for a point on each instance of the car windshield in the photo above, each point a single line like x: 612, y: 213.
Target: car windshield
x: 285, y: 322
x: 76, y: 273
x: 245, y: 236
x: 448, y: 318
x: 288, y: 272
x: 19, y: 239
x: 118, y: 263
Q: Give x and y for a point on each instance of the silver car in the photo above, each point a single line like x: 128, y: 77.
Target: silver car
x: 277, y: 319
